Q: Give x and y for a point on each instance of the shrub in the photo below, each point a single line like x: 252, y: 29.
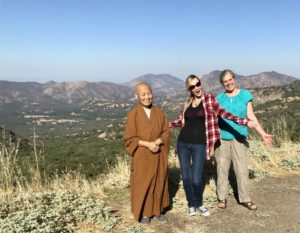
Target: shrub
x: 135, y: 229
x: 258, y: 174
x: 54, y: 212
x: 292, y: 163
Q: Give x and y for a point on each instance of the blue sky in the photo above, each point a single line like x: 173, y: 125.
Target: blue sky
x: 118, y: 40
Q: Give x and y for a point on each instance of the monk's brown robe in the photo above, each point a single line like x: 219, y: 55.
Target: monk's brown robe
x: 149, y: 171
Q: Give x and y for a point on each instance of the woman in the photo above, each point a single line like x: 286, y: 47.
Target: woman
x: 199, y: 133
x: 234, y: 146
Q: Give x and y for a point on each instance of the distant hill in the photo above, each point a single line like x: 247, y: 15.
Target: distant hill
x: 168, y: 85
x: 20, y: 92
x: 65, y: 92
x: 72, y: 92
x: 274, y: 103
x: 72, y: 107
x: 212, y: 84
x: 162, y: 84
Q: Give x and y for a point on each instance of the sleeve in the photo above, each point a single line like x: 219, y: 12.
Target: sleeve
x: 223, y: 113
x: 131, y: 139
x: 177, y: 122
x: 247, y: 96
x: 166, y: 134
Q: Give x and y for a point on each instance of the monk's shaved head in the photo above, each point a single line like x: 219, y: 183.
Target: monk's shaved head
x: 142, y: 85
x: 143, y: 93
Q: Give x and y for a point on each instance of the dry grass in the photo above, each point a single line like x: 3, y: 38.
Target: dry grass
x: 119, y: 176
x: 8, y: 172
x: 270, y: 158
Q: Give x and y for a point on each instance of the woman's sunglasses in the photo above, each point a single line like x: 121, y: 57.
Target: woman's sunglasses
x: 192, y: 87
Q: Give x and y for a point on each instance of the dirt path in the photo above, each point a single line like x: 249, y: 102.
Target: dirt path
x: 278, y: 201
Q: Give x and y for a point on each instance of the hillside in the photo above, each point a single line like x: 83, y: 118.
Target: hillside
x: 65, y: 92
x: 77, y: 92
x: 162, y: 84
x: 60, y: 109
x: 212, y: 84
x: 275, y: 103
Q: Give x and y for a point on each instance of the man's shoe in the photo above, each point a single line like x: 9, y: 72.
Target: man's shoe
x: 145, y: 220
x: 192, y: 211
x: 204, y: 211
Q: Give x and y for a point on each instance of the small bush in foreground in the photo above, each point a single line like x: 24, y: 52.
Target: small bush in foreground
x: 135, y: 229
x: 292, y: 163
x: 258, y: 174
x: 54, y: 212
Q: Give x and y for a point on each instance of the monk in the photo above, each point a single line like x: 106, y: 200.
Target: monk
x: 147, y: 140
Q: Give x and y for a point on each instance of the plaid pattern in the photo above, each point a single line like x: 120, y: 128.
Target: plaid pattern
x: 212, y: 109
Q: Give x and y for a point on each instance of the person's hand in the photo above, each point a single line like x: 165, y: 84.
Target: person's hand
x: 153, y: 147
x: 268, y: 139
x: 158, y: 141
x: 252, y: 124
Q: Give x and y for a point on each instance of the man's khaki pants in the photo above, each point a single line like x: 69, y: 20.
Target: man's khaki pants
x: 236, y: 151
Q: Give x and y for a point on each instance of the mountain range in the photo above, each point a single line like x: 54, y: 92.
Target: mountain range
x: 265, y: 79
x: 164, y: 85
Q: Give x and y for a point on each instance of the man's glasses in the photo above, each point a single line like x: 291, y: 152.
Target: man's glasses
x: 192, y: 87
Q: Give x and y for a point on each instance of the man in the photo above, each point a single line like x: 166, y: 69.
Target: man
x: 146, y: 139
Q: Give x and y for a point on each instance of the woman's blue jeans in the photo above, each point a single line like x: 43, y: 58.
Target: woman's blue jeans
x: 192, y: 158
